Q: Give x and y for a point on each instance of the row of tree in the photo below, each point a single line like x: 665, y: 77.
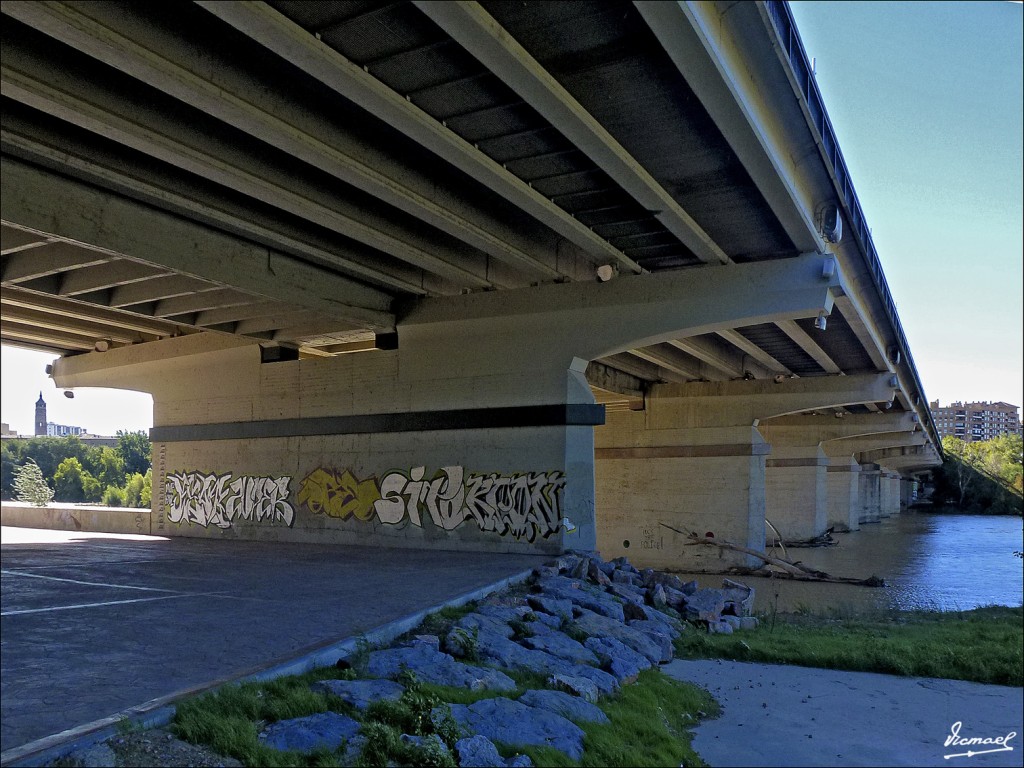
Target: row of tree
x: 983, y: 477
x: 119, y: 476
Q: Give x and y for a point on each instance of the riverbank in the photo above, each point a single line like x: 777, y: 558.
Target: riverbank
x: 649, y: 716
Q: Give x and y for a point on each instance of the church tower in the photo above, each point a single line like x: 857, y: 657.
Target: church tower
x: 40, y: 415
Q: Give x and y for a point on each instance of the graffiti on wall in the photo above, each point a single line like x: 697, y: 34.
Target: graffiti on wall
x: 522, y: 505
x: 219, y: 500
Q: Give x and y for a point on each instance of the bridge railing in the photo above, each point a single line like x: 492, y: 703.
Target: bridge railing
x: 785, y: 26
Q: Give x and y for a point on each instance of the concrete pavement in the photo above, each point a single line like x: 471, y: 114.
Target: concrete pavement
x: 95, y: 624
x: 796, y: 716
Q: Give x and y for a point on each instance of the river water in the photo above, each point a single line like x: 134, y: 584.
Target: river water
x: 929, y: 561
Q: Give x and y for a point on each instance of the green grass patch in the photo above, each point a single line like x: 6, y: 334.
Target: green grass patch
x: 983, y: 645
x: 649, y: 727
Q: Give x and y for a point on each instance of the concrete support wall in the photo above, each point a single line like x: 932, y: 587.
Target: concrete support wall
x: 843, y: 493
x: 796, y: 491
x: 870, y: 493
x: 651, y: 481
x: 890, y: 501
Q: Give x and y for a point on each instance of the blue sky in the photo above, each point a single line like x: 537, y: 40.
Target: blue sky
x: 926, y: 100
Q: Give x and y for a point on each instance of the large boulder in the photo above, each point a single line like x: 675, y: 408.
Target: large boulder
x: 581, y: 596
x: 617, y: 658
x: 508, y: 721
x: 326, y: 730
x: 551, y: 605
x: 739, y: 596
x: 360, y: 693
x: 562, y: 646
x: 601, y: 626
x: 572, y: 707
x: 659, y: 634
x: 705, y: 605
x: 435, y: 667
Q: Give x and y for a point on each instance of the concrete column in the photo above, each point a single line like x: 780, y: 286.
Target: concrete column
x: 870, y: 493
x: 843, y: 491
x: 694, y: 460
x: 795, y: 483
x: 890, y: 501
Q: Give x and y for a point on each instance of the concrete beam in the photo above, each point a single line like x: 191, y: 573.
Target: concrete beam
x: 480, y: 34
x: 47, y: 259
x: 244, y: 103
x: 738, y: 403
x: 47, y: 203
x: 861, y: 445
x: 797, y: 428
x: 585, y: 320
x: 286, y: 39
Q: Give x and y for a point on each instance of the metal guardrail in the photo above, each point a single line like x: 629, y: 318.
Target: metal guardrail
x: 785, y: 26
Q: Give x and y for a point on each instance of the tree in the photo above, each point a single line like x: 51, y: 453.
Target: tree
x: 110, y: 467
x: 71, y: 481
x: 133, y: 490
x: 963, y: 460
x: 30, y: 486
x: 136, y: 450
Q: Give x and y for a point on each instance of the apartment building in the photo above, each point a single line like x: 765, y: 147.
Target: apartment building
x: 973, y: 422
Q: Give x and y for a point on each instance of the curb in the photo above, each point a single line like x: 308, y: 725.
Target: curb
x: 158, y: 712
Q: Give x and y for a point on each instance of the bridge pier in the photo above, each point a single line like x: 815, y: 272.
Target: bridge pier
x: 843, y: 484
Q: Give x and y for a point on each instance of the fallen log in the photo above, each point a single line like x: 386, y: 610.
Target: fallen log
x: 793, y: 570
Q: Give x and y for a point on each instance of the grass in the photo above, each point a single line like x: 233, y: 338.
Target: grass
x: 983, y: 645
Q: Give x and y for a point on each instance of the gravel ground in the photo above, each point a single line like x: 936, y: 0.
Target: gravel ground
x: 155, y: 747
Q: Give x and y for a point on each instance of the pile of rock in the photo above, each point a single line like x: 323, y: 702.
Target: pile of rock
x: 588, y: 626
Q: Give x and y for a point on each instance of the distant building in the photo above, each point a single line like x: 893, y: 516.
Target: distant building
x: 49, y: 428
x: 6, y: 431
x: 973, y: 422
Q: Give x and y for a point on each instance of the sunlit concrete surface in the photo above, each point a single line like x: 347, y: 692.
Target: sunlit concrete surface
x: 95, y: 623
x: 797, y: 716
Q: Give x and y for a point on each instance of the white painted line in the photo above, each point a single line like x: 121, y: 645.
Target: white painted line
x: 109, y: 602
x: 84, y: 583
x: 24, y: 568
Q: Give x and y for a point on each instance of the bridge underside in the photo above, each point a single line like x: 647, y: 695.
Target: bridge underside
x: 502, y: 276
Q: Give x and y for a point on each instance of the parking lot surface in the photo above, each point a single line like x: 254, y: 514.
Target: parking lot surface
x: 93, y: 624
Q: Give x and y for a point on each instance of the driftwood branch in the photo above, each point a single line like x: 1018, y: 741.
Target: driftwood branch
x: 789, y: 569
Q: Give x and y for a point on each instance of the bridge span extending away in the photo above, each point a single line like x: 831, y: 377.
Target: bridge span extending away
x: 500, y: 276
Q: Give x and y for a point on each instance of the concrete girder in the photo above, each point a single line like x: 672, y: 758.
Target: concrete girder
x: 772, y: 365
x: 157, y: 289
x: 746, y: 403
x: 802, y: 339
x: 288, y: 40
x: 47, y: 203
x: 896, y: 458
x: 35, y: 319
x: 16, y: 240
x: 584, y: 320
x: 338, y: 257
x: 109, y: 275
x: 70, y: 308
x: 480, y: 34
x: 714, y: 64
x: 857, y: 446
x: 800, y: 429
x: 256, y: 113
x: 721, y: 359
x: 146, y: 131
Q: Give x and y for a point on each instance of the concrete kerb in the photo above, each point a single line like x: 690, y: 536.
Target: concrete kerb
x: 159, y: 712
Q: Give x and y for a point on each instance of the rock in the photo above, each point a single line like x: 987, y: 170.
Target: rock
x: 659, y: 634
x: 623, y: 564
x: 520, y: 761
x: 326, y: 730
x: 551, y: 605
x: 481, y: 621
x: 507, y: 654
x: 432, y: 641
x: 434, y: 667
x: 621, y: 576
x: 656, y: 596
x: 748, y: 623
x: 647, y: 577
x: 502, y: 613
x: 602, y: 626
x: 478, y: 752
x: 675, y: 598
x: 705, y: 605
x: 567, y: 562
x: 633, y: 612
x: 629, y: 594
x: 544, y: 571
x: 508, y: 721
x: 605, y: 682
x: 598, y: 602
x: 668, y: 580
x: 596, y: 574
x: 619, y: 659
x: 581, y: 570
x: 576, y: 686
x: 360, y: 693
x: 572, y: 707
x: 563, y: 647
x: 719, y: 628
x: 690, y: 587
x: 732, y: 621
x: 740, y: 595
x: 554, y: 622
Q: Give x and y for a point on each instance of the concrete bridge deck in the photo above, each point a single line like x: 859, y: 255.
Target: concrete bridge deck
x: 95, y: 624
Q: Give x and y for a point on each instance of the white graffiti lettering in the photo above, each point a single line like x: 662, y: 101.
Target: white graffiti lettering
x: 523, y: 505
x: 210, y: 499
